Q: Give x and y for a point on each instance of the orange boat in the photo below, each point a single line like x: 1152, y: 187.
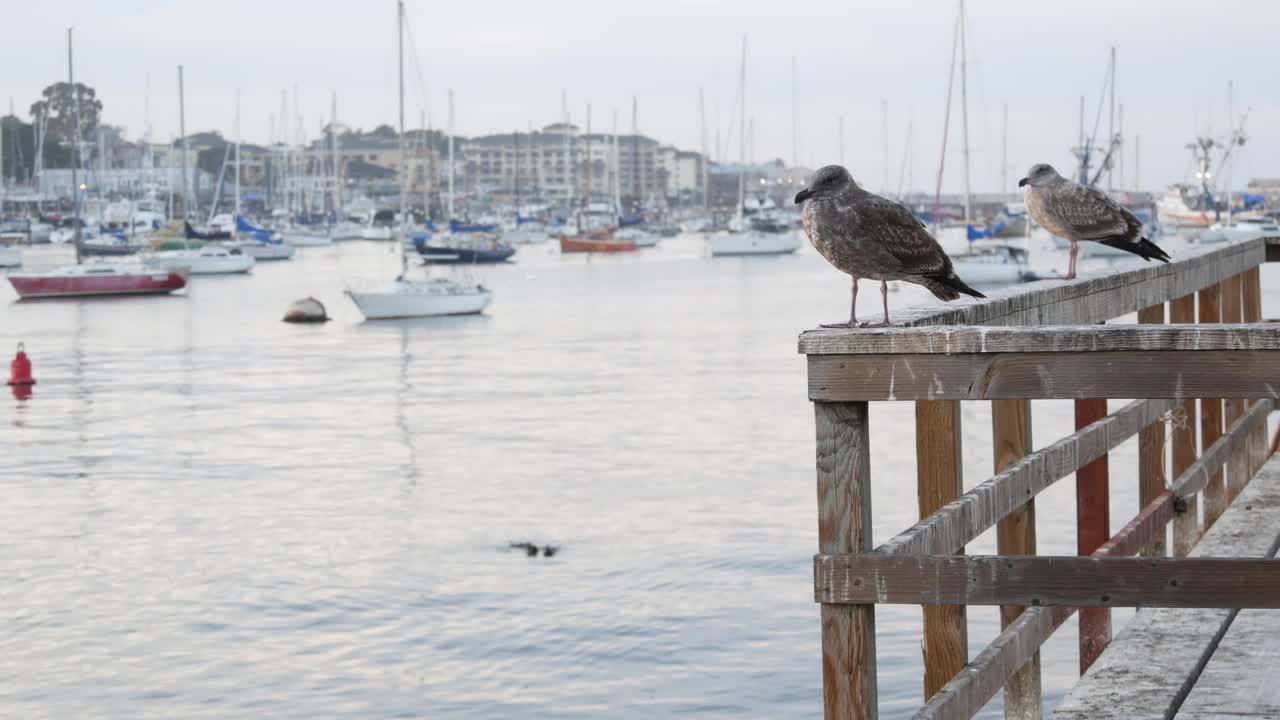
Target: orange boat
x: 598, y: 241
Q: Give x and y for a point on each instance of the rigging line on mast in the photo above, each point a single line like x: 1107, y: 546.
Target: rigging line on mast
x: 946, y: 123
x: 417, y: 67
x: 1097, y: 120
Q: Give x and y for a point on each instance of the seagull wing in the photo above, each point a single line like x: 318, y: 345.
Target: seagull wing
x: 905, y: 237
x: 1091, y: 215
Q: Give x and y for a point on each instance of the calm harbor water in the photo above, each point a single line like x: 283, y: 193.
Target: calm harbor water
x: 209, y: 513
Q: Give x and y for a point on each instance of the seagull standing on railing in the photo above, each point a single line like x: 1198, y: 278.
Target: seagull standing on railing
x: 868, y: 236
x: 1078, y: 213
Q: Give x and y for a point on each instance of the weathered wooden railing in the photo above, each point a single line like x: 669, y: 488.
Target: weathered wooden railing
x: 1042, y: 341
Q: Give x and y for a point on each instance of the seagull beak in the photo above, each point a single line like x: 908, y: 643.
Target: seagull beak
x: 803, y: 195
x: 1022, y: 182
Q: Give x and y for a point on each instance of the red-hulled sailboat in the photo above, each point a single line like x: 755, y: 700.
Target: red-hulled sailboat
x: 97, y: 278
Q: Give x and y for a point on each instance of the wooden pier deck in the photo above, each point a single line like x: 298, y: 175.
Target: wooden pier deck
x: 1200, y: 391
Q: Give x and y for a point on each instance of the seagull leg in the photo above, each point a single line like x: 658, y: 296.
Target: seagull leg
x: 884, y: 302
x: 853, y: 311
x: 1071, y: 264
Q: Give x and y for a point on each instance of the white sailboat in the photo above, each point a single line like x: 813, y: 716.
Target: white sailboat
x: 986, y: 261
x: 256, y: 245
x: 763, y: 235
x: 405, y: 297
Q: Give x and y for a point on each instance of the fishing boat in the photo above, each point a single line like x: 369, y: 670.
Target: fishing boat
x: 99, y: 278
x: 208, y: 260
x: 404, y: 297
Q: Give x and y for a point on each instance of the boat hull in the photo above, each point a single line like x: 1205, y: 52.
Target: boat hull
x: 753, y: 243
x: 446, y: 254
x: 264, y: 252
x: 217, y: 265
x: 394, y: 302
x: 307, y: 239
x: 35, y: 287
x: 89, y: 249
x: 377, y: 232
x: 576, y: 244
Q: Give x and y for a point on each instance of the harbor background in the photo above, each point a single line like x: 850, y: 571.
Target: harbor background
x: 209, y: 513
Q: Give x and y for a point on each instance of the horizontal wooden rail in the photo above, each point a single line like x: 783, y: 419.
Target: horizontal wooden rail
x: 1096, y: 298
x: 956, y: 340
x: 971, y: 514
x: 1041, y: 580
x: 1046, y: 375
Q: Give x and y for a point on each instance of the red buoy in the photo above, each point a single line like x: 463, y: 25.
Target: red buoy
x: 20, y: 370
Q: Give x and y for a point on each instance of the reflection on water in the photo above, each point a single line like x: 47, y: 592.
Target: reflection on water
x: 210, y: 513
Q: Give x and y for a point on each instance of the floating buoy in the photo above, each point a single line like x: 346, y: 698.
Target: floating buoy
x: 306, y: 310
x: 20, y: 370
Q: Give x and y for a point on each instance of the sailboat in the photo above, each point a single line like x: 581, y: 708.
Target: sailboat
x: 404, y: 297
x: 526, y: 230
x: 986, y: 261
x: 94, y: 279
x: 763, y: 234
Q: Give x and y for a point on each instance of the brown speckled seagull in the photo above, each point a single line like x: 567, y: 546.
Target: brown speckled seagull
x: 1078, y: 213
x: 867, y: 236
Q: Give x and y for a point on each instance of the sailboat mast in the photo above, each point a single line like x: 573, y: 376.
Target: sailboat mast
x: 840, y: 136
x: 884, y: 126
x: 404, y: 259
x: 742, y: 132
x: 702, y: 113
x: 186, y: 145
x: 236, y: 212
x: 75, y: 182
x: 586, y: 202
x: 516, y: 183
x: 637, y: 179
x: 964, y: 117
x: 333, y: 148
x: 1004, y: 149
x: 617, y: 171
x: 1111, y: 119
x: 449, y: 202
x: 795, y: 134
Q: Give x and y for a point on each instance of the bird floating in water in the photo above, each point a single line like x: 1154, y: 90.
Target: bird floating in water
x: 1078, y: 213
x: 868, y: 236
x: 531, y: 549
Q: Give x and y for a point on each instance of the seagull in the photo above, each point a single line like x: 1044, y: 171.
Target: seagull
x: 868, y: 236
x: 1078, y: 213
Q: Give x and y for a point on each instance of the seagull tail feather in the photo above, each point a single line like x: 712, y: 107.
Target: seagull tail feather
x: 949, y: 286
x: 1142, y: 247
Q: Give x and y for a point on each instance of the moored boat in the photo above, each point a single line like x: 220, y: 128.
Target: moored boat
x: 598, y: 241
x: 97, y: 279
x: 208, y: 260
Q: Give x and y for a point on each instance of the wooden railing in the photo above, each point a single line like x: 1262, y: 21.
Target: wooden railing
x: 1042, y: 341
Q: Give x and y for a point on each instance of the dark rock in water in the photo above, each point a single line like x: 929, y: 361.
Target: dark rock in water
x: 549, y: 550
x: 306, y: 310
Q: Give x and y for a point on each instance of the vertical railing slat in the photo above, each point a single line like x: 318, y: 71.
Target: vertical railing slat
x: 1237, y: 466
x: 1016, y: 535
x: 1093, y: 528
x: 1251, y: 311
x: 1186, y: 526
x: 1151, y: 449
x: 939, y: 481
x: 1215, y: 492
x: 844, y: 526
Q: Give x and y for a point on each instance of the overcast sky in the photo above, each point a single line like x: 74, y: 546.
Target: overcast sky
x: 509, y: 60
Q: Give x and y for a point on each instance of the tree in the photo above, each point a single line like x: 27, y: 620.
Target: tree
x: 384, y: 131
x: 58, y: 105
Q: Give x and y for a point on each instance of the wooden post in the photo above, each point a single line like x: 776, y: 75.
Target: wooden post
x: 1215, y: 493
x: 1093, y: 528
x: 1016, y: 535
x: 939, y: 479
x: 1251, y: 310
x: 1237, y: 466
x: 844, y: 526
x: 1186, y: 526
x: 1151, y: 452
